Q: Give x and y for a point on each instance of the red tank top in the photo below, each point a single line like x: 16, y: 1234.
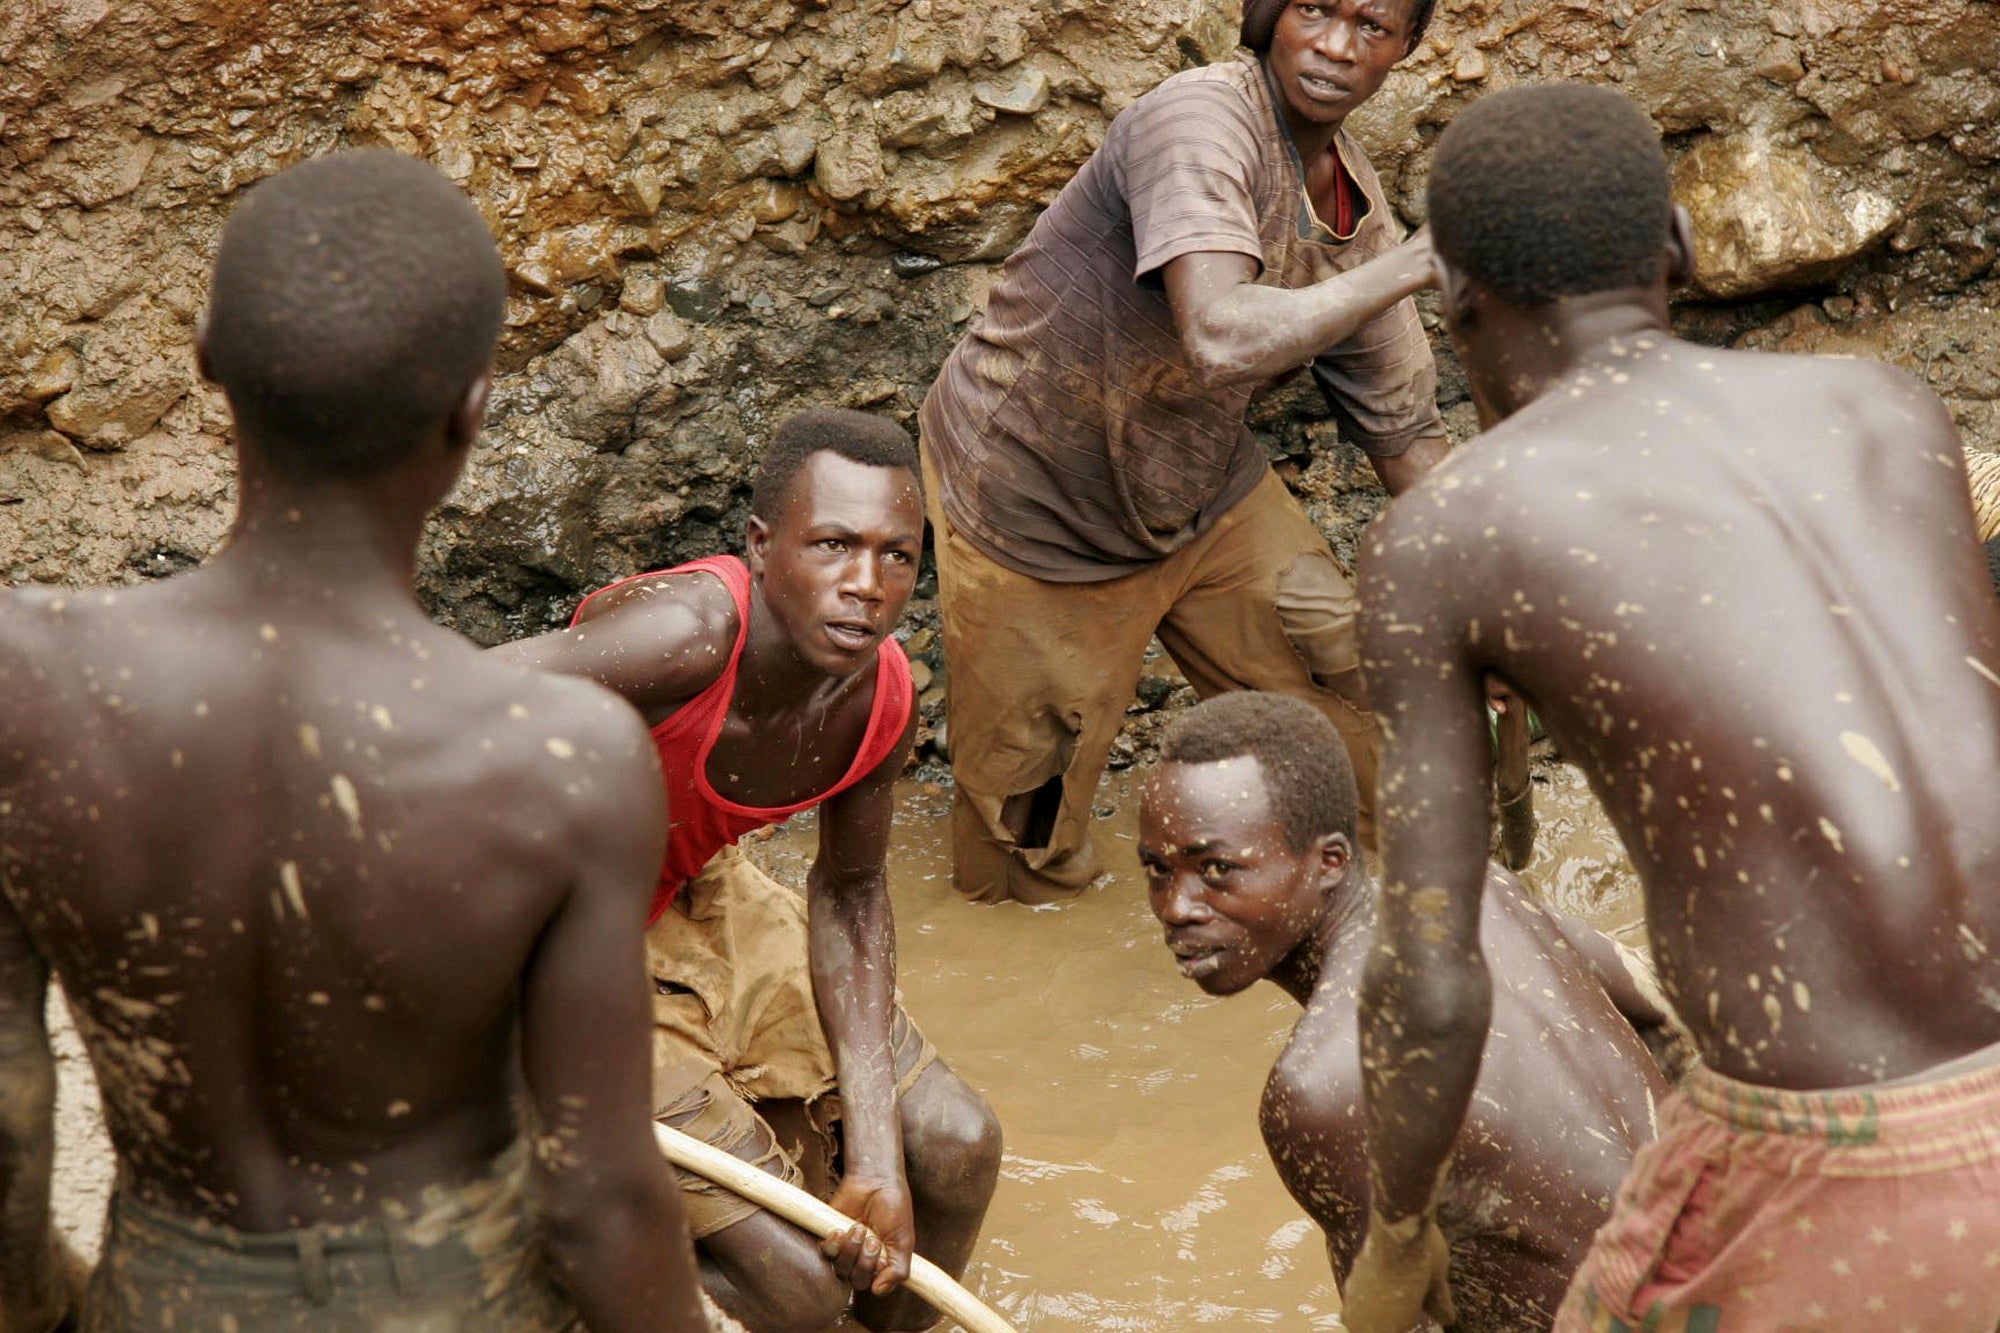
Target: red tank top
x: 700, y: 820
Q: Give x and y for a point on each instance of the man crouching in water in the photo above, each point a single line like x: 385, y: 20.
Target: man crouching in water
x: 773, y: 686
x: 1247, y: 836
x: 328, y: 889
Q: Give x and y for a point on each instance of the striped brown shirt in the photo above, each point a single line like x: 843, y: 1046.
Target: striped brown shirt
x: 1071, y: 436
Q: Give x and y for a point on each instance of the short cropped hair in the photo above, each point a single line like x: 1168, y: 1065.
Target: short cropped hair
x: 356, y: 299
x: 860, y: 437
x: 1260, y: 20
x: 1552, y: 190
x: 1306, y: 773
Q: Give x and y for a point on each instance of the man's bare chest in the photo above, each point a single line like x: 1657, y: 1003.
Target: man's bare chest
x: 785, y: 759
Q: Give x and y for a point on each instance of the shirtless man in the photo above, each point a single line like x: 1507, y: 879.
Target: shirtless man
x: 1796, y: 734
x: 326, y: 887
x: 773, y: 687
x: 1247, y: 836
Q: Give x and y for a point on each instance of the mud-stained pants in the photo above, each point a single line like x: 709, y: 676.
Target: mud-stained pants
x: 1040, y: 674
x: 471, y: 1262
x: 739, y: 1058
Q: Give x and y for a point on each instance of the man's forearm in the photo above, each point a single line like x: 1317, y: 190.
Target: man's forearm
x: 1252, y: 333
x: 1421, y: 1038
x: 1406, y: 469
x: 853, y: 943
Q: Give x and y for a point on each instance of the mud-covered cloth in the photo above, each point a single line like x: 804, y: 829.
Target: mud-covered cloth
x: 1041, y: 674
x: 1762, y: 1209
x: 466, y: 1260
x: 735, y: 1030
x: 1073, y: 439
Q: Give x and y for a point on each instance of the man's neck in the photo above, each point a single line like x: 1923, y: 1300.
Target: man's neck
x: 1552, y: 342
x: 327, y: 535
x: 772, y: 677
x: 1309, y: 138
x: 1349, y: 911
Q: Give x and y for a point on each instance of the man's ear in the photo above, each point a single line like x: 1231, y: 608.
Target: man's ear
x: 1336, y: 857
x: 462, y: 428
x: 202, y: 365
x: 756, y: 541
x: 1680, y: 248
x: 1461, y: 303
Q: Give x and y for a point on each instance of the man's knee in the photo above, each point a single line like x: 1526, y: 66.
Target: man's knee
x: 951, y: 1139
x: 781, y: 1282
x: 989, y: 865
x: 1318, y: 611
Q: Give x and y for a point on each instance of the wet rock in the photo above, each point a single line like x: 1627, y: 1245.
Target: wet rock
x: 670, y: 335
x: 1023, y: 95
x: 56, y: 375
x: 118, y: 401
x: 1768, y: 216
x: 689, y: 156
x: 643, y: 293
x: 1780, y: 63
x: 849, y: 164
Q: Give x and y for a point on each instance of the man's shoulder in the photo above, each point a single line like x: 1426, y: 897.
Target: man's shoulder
x: 561, y: 716
x: 1320, y: 1069
x: 674, y: 614
x: 48, y: 636
x: 1312, y: 1097
x: 1227, y: 88
x: 31, y: 635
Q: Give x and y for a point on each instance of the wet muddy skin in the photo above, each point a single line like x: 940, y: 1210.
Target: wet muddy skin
x: 1136, y: 1193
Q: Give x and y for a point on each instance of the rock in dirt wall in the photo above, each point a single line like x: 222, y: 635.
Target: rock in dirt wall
x: 715, y: 214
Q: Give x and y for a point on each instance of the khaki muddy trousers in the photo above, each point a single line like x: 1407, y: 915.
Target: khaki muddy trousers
x: 1040, y: 675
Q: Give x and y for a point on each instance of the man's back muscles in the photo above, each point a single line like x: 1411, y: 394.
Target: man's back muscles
x: 273, y: 860
x: 1744, y: 594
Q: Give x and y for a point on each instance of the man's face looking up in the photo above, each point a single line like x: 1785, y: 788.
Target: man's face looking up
x: 839, y: 559
x: 1233, y: 895
x: 1328, y: 58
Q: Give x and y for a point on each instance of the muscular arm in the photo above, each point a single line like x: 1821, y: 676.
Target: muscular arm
x: 1236, y: 331
x: 1426, y: 997
x: 657, y: 643
x: 853, y: 949
x: 614, y: 1221
x: 34, y: 1265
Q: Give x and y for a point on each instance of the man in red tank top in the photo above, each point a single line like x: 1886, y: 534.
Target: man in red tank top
x: 772, y: 686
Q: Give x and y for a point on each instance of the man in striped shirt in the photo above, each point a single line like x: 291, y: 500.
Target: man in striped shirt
x: 1092, y: 480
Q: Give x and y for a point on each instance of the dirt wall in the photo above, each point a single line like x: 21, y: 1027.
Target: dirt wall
x: 715, y: 214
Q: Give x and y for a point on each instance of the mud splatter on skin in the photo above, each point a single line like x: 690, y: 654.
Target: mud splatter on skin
x: 294, y: 892
x: 348, y: 802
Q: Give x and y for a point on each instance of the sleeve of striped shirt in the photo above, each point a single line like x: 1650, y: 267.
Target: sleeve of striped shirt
x: 1188, y: 167
x: 1382, y: 383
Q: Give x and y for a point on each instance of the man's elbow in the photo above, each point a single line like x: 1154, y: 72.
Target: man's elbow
x: 1216, y: 360
x: 1426, y: 1006
x: 626, y: 1213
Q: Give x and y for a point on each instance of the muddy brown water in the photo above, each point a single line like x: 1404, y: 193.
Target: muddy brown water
x: 1135, y: 1192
